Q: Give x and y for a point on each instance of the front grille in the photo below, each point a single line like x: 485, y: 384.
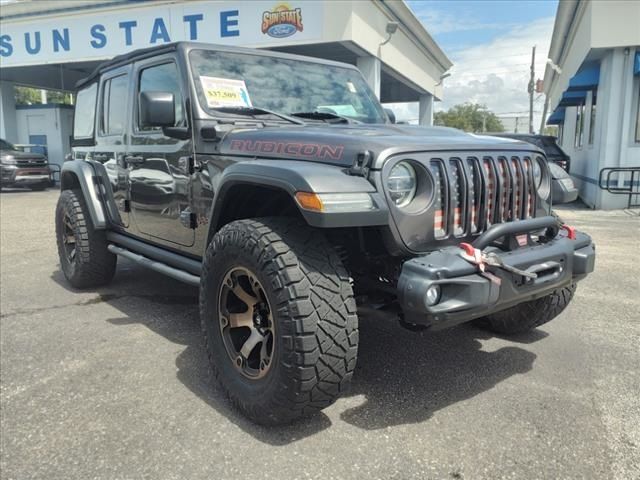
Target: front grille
x: 474, y: 192
x: 31, y: 162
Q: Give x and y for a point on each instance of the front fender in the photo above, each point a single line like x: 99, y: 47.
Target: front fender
x: 81, y: 174
x: 293, y: 176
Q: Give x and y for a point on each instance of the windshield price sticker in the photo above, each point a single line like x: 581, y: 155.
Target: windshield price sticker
x: 225, y: 92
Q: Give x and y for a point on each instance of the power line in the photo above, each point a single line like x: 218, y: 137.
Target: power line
x: 494, y: 67
x: 525, y: 54
x: 465, y: 74
x: 516, y: 113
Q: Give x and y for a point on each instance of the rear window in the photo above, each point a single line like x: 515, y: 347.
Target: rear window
x: 85, y: 112
x: 113, y: 103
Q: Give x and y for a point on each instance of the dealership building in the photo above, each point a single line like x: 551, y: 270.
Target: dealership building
x: 592, y: 83
x: 52, y: 45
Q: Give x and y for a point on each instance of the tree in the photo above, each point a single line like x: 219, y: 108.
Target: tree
x: 31, y: 96
x: 470, y: 117
x: 27, y: 96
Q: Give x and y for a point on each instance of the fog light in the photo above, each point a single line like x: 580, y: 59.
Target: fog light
x: 433, y: 295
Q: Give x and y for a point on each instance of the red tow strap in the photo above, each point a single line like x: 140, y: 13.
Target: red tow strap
x: 571, y: 232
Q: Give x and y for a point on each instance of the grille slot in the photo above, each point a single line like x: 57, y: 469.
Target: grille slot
x: 440, y: 198
x: 458, y: 194
x: 488, y: 169
x: 31, y: 162
x: 475, y: 191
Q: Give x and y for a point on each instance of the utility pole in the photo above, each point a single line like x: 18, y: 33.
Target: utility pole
x: 531, y: 88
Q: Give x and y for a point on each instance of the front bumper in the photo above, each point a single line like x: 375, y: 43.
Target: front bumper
x: 466, y: 293
x: 16, y: 176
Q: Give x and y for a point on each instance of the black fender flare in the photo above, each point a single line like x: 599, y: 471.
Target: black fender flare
x: 85, y: 175
x: 293, y: 176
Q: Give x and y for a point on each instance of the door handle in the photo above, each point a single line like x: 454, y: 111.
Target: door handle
x: 133, y: 159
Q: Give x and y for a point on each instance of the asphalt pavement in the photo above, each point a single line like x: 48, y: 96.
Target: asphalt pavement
x: 114, y: 384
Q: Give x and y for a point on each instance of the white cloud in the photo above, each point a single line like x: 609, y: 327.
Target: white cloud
x: 495, y: 73
x: 438, y: 22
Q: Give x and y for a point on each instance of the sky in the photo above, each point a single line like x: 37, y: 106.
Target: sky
x: 489, y: 43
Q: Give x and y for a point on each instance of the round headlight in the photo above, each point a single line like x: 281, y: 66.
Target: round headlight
x: 402, y: 184
x: 542, y: 177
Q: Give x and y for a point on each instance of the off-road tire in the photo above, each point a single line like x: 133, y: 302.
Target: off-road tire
x: 529, y: 315
x: 316, y: 326
x: 93, y: 265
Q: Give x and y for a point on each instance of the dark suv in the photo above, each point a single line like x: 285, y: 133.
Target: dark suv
x: 548, y: 144
x: 23, y: 169
x: 277, y: 185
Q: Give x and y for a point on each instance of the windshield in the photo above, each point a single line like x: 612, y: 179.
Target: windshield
x: 4, y: 145
x: 227, y: 80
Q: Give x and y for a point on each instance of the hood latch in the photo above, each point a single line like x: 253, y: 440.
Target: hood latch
x: 362, y: 164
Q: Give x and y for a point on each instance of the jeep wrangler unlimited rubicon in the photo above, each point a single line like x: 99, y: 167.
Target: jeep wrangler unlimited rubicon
x: 278, y: 185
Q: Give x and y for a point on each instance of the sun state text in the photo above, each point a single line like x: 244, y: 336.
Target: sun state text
x: 127, y: 32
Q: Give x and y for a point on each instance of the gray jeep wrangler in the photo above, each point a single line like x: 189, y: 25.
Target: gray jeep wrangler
x: 278, y: 185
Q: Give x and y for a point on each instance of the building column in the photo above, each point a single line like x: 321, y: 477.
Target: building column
x: 425, y: 112
x: 371, y: 69
x: 8, y: 128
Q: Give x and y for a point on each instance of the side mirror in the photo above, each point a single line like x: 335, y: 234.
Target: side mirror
x: 157, y: 109
x: 390, y: 115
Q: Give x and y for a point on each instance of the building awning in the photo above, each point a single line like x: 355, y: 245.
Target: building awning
x: 557, y: 117
x: 573, y: 99
x: 636, y: 64
x: 586, y: 79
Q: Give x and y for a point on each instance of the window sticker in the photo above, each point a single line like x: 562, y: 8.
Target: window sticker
x: 225, y: 92
x: 351, y: 87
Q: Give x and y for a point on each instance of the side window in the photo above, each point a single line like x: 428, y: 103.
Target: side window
x: 85, y: 112
x: 114, y: 100
x: 163, y: 78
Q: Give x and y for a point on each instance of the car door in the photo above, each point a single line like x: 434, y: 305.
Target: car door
x: 158, y: 174
x: 112, y: 124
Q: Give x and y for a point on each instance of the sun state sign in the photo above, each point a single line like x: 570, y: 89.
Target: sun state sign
x: 82, y: 35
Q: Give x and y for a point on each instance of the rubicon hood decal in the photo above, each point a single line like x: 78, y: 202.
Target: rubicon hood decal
x: 341, y: 144
x: 308, y: 150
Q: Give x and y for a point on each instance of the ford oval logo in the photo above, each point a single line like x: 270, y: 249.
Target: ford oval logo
x: 281, y: 30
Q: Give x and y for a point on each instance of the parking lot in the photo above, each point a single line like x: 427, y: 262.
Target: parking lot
x: 114, y: 383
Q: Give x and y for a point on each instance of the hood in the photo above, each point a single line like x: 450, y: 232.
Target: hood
x: 339, y: 144
x: 19, y: 155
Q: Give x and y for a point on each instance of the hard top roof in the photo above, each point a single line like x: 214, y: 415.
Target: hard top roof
x: 142, y: 53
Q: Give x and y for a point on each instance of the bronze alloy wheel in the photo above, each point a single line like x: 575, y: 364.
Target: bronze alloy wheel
x: 246, y: 323
x: 69, y: 239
